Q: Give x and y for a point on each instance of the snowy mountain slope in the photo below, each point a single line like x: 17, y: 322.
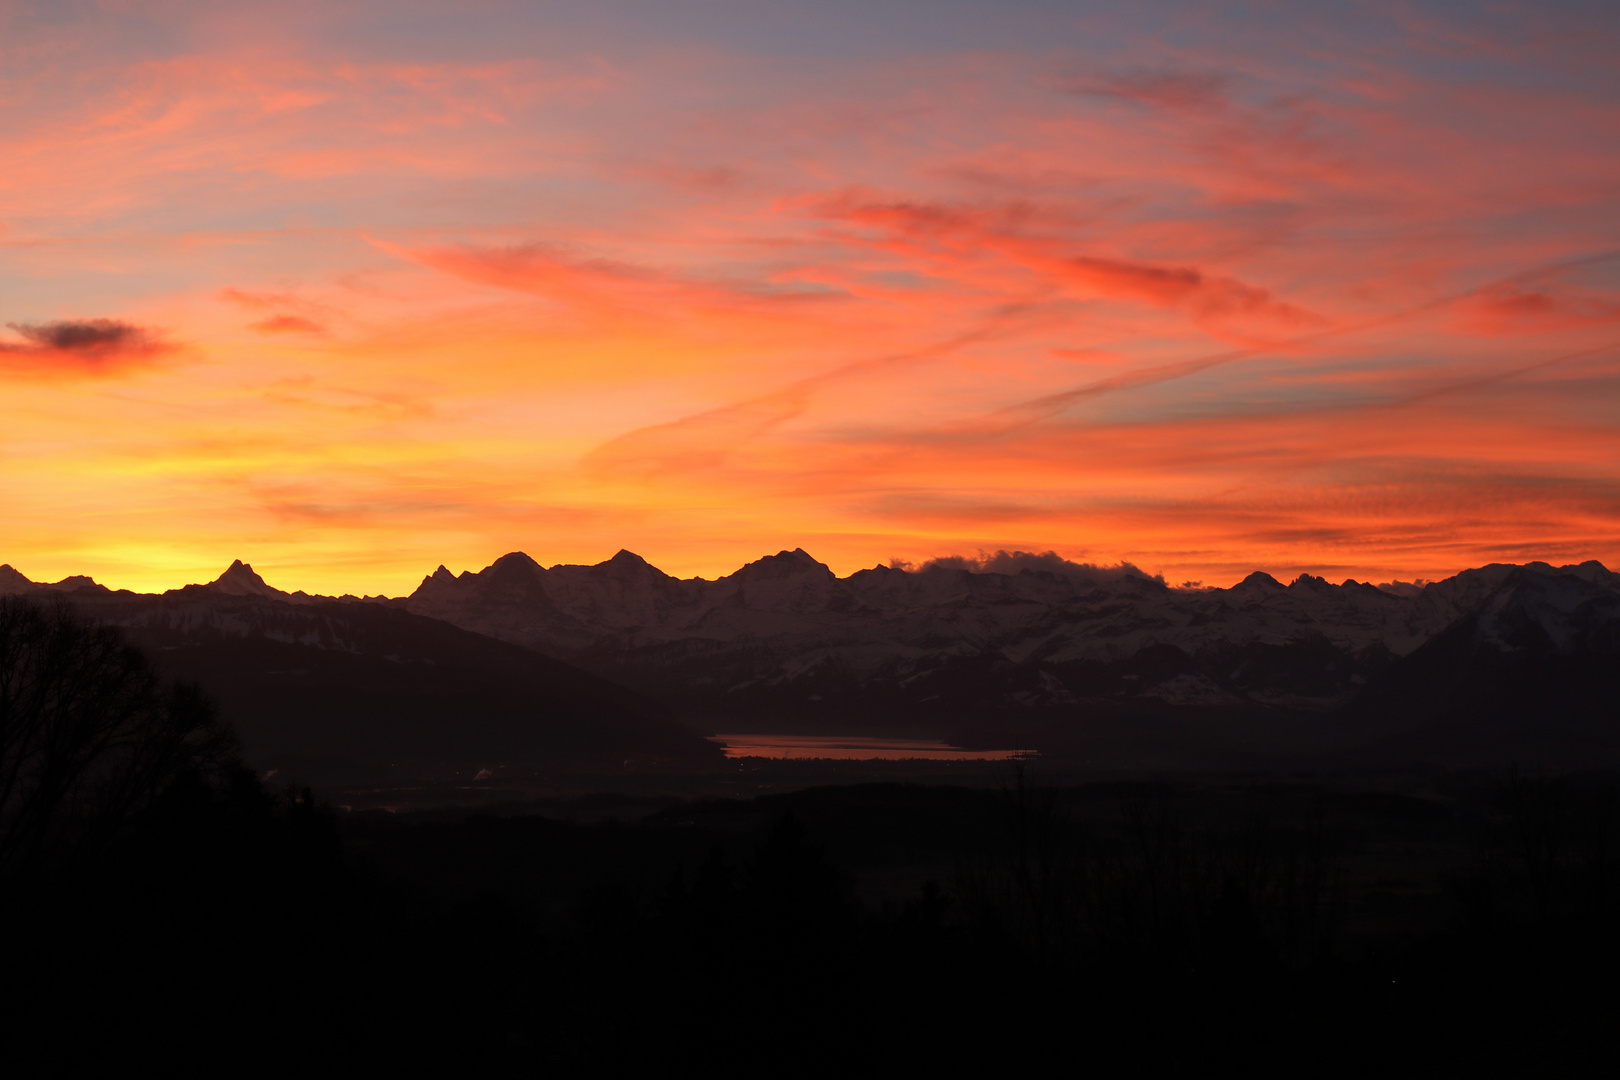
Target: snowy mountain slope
x: 1533, y: 670
x: 784, y: 635
x: 784, y: 643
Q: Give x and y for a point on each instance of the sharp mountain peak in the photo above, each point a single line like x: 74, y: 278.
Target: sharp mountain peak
x: 239, y: 579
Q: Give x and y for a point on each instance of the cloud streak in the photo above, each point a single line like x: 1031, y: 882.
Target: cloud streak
x: 71, y: 347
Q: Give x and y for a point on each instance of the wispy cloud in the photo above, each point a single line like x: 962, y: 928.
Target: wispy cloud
x: 587, y: 282
x: 288, y: 324
x: 71, y: 347
x: 1160, y: 88
x: 1330, y: 291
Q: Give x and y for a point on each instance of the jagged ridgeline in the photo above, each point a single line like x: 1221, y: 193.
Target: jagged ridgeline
x: 1498, y: 662
x: 1039, y: 646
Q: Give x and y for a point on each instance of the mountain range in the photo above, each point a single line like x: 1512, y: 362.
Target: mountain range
x: 1519, y: 660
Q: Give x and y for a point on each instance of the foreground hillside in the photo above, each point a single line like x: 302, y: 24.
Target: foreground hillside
x: 354, y: 691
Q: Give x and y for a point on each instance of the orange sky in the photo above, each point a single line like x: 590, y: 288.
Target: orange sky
x: 348, y: 291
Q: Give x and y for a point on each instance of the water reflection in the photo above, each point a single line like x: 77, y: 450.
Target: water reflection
x: 855, y: 748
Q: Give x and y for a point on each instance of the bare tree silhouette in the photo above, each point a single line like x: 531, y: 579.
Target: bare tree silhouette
x: 89, y: 736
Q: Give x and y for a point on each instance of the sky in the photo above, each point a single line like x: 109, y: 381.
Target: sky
x: 350, y: 290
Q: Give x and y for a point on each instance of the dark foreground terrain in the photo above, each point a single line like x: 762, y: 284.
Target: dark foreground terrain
x: 1446, y: 924
x: 162, y: 903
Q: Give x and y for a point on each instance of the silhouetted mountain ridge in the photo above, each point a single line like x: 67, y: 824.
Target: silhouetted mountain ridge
x: 783, y: 643
x: 1533, y: 671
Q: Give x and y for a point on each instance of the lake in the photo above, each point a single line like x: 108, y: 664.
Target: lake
x: 855, y: 748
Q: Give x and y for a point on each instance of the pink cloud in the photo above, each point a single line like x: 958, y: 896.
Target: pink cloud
x: 288, y: 324
x: 1516, y: 310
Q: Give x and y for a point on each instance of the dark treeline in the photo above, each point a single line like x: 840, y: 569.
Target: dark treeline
x: 160, y: 903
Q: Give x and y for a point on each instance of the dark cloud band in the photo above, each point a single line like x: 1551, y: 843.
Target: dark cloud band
x: 83, y: 345
x: 87, y: 335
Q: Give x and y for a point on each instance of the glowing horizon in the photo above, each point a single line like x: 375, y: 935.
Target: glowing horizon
x: 348, y: 292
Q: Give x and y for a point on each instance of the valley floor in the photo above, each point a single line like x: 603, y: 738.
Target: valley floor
x: 790, y: 916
